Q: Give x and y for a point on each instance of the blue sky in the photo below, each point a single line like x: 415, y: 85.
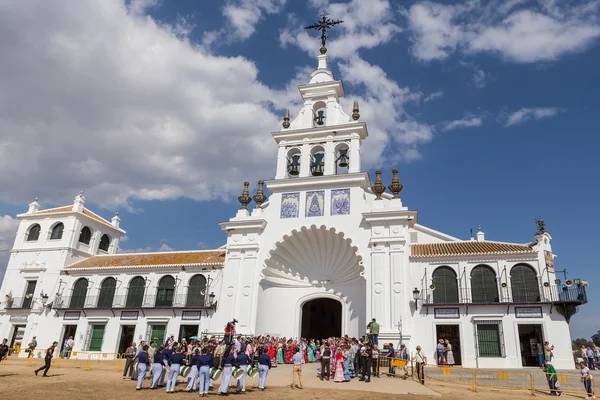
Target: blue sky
x: 161, y: 110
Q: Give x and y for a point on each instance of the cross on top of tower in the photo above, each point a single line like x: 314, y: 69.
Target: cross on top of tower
x: 324, y: 24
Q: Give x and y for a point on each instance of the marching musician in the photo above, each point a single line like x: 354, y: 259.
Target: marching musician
x: 177, y: 360
x: 204, y: 362
x: 227, y: 364
x: 158, y: 367
x: 143, y: 363
x: 242, y: 361
x: 193, y: 378
x: 264, y: 365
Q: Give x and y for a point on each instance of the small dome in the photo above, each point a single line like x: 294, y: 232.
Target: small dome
x: 314, y: 256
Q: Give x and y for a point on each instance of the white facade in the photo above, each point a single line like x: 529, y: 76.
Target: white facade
x: 321, y: 235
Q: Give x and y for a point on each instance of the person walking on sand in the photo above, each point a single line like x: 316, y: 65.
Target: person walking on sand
x: 47, y: 360
x: 297, y: 360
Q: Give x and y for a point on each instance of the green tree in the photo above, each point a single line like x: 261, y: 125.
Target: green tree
x: 576, y: 345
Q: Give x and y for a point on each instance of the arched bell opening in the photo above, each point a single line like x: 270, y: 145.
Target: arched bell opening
x: 294, y: 156
x: 342, y: 158
x: 319, y: 113
x: 317, y: 160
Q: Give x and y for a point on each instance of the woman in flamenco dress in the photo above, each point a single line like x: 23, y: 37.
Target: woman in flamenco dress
x: 311, y: 351
x: 339, y: 366
x: 347, y: 375
x: 273, y: 354
x: 305, y: 350
x: 289, y: 351
x: 280, y: 353
x: 318, y: 351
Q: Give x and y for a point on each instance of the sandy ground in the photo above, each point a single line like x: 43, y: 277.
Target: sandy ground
x: 17, y: 381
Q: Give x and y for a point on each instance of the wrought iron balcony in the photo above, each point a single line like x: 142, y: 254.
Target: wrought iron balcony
x: 18, y: 303
x: 132, y: 301
x: 562, y: 294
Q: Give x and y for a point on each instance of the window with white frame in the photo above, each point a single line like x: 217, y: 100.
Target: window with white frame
x: 489, y: 338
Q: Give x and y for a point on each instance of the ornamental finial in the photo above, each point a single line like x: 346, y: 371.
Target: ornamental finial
x: 260, y: 197
x: 396, y: 186
x: 286, y: 119
x: 324, y: 24
x: 245, y: 199
x: 541, y: 226
x: 355, y: 110
x: 378, y: 187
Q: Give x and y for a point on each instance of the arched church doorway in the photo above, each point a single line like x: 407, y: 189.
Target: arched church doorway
x: 321, y: 318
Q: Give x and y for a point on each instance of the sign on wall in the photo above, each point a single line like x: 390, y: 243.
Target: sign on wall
x: 18, y: 318
x: 129, y: 315
x: 72, y: 315
x: 191, y: 315
x: 446, y: 313
x: 528, y: 312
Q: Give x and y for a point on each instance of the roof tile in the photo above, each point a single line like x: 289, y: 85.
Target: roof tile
x: 467, y: 248
x: 168, y: 259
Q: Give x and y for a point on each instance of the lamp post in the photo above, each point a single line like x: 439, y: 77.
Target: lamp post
x: 416, y: 294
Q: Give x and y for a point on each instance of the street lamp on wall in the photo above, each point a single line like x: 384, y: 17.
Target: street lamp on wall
x: 416, y: 294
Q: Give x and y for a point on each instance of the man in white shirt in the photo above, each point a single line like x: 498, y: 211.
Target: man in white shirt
x: 421, y: 360
x: 70, y: 344
x: 297, y: 360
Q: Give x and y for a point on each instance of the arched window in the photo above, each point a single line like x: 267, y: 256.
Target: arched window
x: 446, y: 286
x: 34, y: 233
x: 104, y: 242
x: 196, y: 291
x: 524, y: 282
x: 57, y: 231
x: 85, y: 236
x: 135, y: 293
x: 166, y: 290
x: 107, y: 293
x: 79, y: 293
x: 484, y: 288
x: 293, y: 162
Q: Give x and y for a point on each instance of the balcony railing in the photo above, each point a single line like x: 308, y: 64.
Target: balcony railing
x: 124, y: 301
x: 575, y: 294
x: 18, y: 303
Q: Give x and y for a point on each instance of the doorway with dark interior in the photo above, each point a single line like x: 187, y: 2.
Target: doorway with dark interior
x: 127, y: 334
x: 321, y: 318
x: 187, y: 331
x: 531, y: 341
x: 68, y: 331
x: 452, y: 333
x: 17, y: 336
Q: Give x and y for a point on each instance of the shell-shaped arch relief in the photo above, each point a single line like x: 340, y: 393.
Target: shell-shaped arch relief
x: 314, y: 257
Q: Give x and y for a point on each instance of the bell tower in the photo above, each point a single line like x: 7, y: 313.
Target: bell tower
x: 322, y: 139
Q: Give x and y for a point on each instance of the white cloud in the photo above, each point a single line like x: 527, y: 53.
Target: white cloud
x: 8, y: 230
x: 479, y: 78
x: 526, y: 114
x: 148, y: 249
x: 242, y: 16
x: 101, y: 99
x: 433, y: 96
x: 367, y: 25
x: 517, y: 30
x: 467, y: 121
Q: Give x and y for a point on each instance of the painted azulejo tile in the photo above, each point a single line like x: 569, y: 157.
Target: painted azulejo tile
x: 314, y: 203
x: 290, y: 204
x: 340, y: 202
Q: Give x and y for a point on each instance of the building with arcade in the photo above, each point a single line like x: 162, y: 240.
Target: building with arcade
x: 325, y: 252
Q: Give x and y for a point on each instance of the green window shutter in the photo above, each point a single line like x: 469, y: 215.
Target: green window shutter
x: 97, y: 337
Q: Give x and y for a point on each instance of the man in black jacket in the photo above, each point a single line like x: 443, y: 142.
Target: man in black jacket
x: 326, y: 362
x: 47, y: 359
x: 366, y: 359
x: 3, y: 349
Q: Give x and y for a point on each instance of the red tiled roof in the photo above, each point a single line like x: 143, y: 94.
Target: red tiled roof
x: 467, y: 248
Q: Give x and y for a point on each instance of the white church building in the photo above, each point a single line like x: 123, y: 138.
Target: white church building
x: 327, y: 251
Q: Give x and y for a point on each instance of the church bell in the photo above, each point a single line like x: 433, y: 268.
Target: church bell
x: 294, y: 165
x: 317, y: 164
x: 320, y: 117
x: 343, y: 158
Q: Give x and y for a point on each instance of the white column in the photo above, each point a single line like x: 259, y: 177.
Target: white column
x: 329, y: 158
x: 281, y: 163
x: 305, y: 160
x: 379, y: 296
x: 354, y: 154
x: 246, y: 296
x: 395, y: 284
